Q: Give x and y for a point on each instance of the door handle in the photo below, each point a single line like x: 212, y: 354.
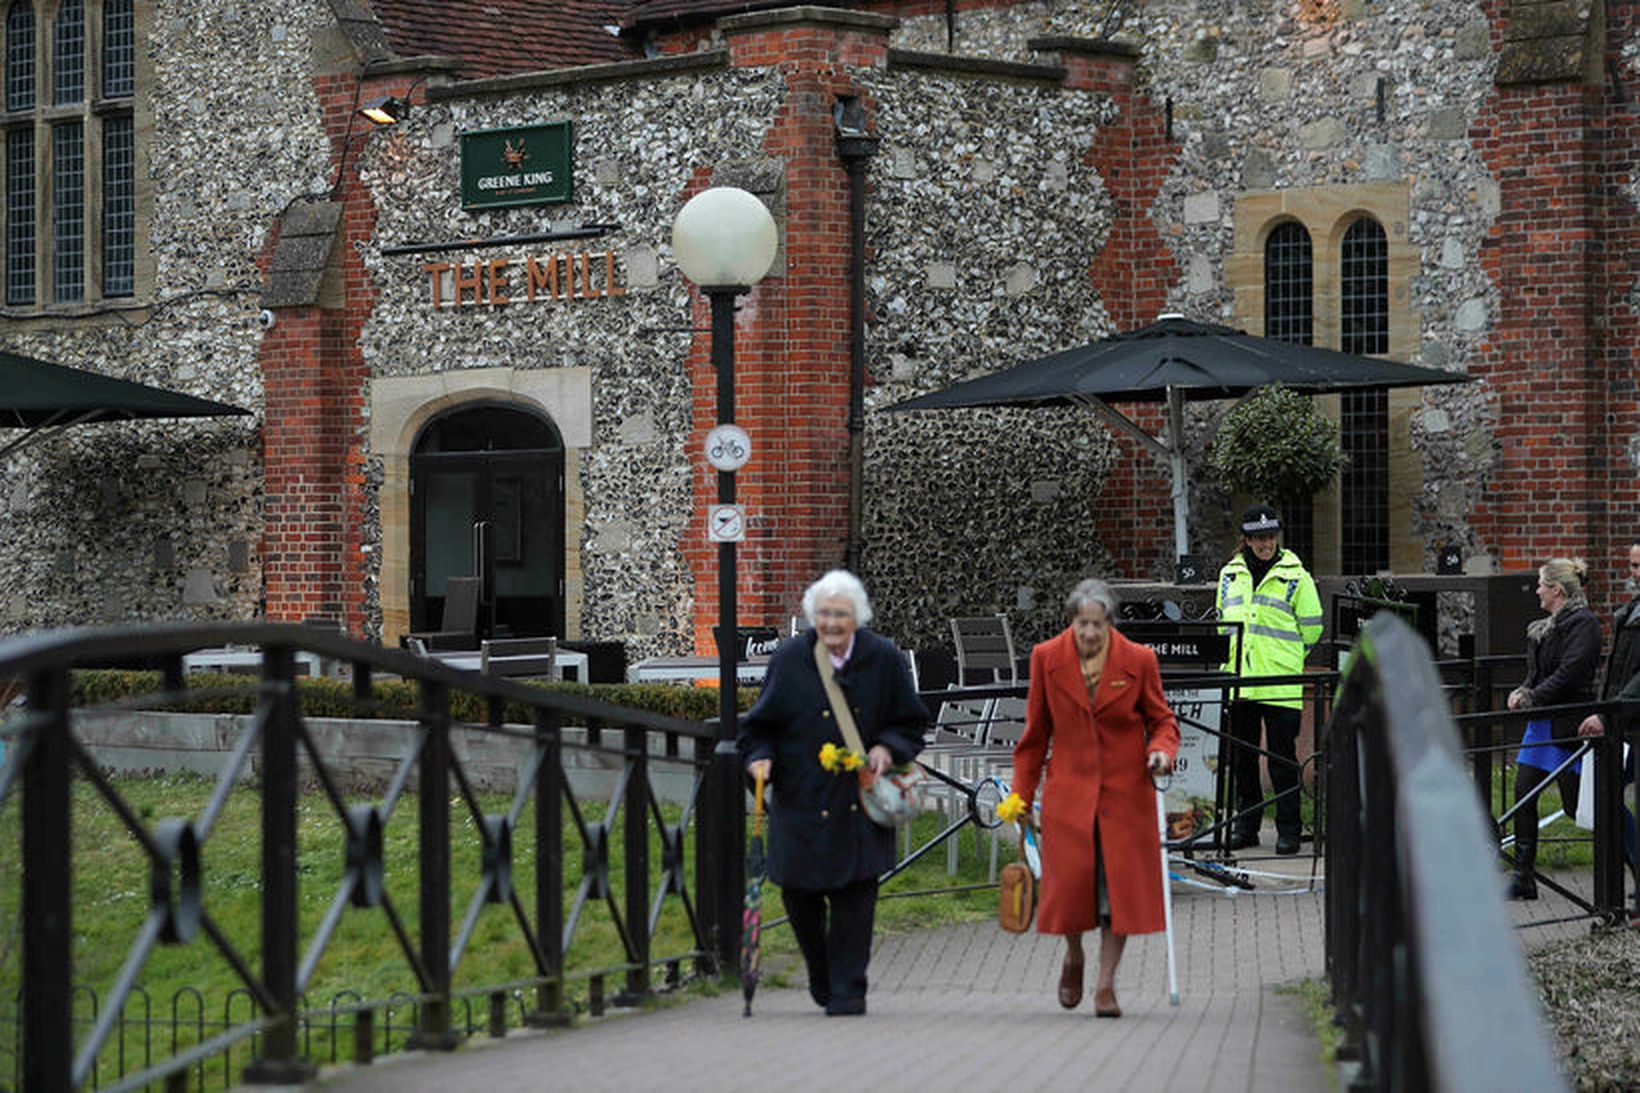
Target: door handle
x: 481, y: 559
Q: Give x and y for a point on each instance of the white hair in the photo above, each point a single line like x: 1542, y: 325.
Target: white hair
x: 839, y: 582
x: 1091, y: 591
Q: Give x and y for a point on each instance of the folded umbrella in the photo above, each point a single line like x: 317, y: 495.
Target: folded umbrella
x: 751, y: 916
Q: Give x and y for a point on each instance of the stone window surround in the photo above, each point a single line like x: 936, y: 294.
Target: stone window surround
x: 1327, y: 212
x: 90, y: 112
x: 401, y: 405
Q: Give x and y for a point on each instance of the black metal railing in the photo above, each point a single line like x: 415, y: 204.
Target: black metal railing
x: 1428, y: 979
x: 59, y: 1047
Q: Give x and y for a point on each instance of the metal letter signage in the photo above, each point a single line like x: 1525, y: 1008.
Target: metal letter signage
x: 523, y: 166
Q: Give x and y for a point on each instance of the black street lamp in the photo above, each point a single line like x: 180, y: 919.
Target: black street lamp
x: 725, y: 241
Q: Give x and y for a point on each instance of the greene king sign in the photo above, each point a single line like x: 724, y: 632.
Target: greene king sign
x: 524, y: 166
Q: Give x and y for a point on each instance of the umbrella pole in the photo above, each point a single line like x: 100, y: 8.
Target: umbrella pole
x: 1175, y: 459
x: 751, y: 924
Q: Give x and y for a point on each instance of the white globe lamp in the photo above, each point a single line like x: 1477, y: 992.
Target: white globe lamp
x: 724, y: 237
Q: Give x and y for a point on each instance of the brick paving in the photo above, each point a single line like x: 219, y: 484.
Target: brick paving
x: 964, y: 1007
x: 961, y: 1007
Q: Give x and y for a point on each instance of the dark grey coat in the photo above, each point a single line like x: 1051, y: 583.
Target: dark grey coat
x: 1562, y: 657
x: 819, y: 837
x: 1624, y: 663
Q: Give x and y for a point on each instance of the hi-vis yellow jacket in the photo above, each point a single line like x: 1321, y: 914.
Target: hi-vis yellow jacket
x: 1281, y: 619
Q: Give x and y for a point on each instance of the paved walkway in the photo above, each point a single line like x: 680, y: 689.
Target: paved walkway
x: 966, y: 1007
x: 956, y: 1007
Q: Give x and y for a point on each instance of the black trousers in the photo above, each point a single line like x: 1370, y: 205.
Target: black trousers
x: 833, y: 931
x: 1528, y: 778
x: 1279, y: 725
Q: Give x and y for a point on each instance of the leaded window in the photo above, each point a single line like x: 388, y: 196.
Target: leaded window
x: 68, y: 212
x: 119, y: 66
x: 68, y: 54
x: 20, y: 56
x: 1364, y: 288
x: 1288, y: 285
x: 71, y: 214
x: 19, y: 217
x: 1364, y: 416
x: 119, y: 229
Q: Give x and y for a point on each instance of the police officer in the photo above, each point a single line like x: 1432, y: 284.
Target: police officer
x: 1267, y: 589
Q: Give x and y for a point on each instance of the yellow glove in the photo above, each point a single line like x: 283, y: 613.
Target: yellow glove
x: 1011, y: 809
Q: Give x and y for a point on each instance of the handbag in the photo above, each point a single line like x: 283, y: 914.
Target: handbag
x: 1016, y: 892
x: 890, y: 800
x: 1585, y: 790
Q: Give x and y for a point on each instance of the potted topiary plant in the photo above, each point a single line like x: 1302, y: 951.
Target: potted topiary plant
x: 1275, y: 446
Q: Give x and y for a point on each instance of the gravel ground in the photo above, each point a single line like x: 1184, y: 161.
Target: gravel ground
x: 1591, y: 992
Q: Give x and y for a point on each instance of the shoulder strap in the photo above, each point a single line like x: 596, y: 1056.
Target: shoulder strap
x: 834, y: 695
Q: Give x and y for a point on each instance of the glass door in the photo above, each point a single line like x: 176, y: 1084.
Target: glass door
x: 487, y: 501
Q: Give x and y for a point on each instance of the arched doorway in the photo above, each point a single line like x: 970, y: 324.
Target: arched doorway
x: 487, y: 500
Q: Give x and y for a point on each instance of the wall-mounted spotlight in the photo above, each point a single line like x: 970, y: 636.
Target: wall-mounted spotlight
x: 387, y: 110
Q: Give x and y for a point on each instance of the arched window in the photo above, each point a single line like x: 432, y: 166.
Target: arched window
x: 1288, y: 285
x: 1364, y: 416
x: 1363, y: 287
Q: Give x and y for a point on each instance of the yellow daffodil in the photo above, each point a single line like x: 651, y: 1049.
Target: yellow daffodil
x: 830, y: 757
x: 852, y: 760
x: 1011, y: 808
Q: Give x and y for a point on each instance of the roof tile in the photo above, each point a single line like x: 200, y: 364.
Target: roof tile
x: 503, y: 37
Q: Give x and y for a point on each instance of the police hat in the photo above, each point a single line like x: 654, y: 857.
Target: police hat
x: 1260, y: 520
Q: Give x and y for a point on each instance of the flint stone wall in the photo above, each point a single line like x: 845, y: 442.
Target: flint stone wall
x: 138, y: 521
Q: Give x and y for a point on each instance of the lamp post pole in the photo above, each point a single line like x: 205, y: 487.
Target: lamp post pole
x: 731, y: 794
x: 722, y: 299
x: 725, y: 241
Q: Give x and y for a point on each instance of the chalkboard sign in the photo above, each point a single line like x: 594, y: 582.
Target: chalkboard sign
x: 750, y: 641
x: 1204, y: 645
x: 1350, y: 612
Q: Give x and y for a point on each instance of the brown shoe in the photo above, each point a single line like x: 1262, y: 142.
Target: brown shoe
x: 1070, y: 981
x: 1104, y: 1003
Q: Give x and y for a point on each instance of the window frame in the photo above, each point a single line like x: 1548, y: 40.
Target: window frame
x: 1328, y: 212
x: 111, y: 268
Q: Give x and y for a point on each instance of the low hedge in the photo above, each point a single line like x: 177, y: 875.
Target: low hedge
x: 392, y: 699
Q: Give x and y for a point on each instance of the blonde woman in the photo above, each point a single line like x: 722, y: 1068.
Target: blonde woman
x: 1562, y: 654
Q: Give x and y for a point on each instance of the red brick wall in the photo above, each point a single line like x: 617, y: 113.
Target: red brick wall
x: 1617, y: 384
x: 792, y: 347
x: 1132, y: 273
x: 1547, y: 365
x: 314, y: 380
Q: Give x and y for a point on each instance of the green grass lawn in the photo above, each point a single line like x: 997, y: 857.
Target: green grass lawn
x: 363, y: 960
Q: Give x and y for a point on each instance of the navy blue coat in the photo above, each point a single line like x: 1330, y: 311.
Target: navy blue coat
x: 819, y: 837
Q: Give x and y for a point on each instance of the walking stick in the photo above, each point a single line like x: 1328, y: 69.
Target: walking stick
x: 1167, y: 903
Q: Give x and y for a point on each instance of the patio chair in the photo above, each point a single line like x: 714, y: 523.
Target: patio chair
x: 985, y: 650
x: 962, y: 728
x: 458, y: 629
x: 518, y: 657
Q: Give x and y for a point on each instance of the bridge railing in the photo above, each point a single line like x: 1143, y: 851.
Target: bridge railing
x: 1427, y: 975
x: 47, y: 755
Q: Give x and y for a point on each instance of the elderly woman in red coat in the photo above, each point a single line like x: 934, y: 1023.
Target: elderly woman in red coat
x: 1096, y: 704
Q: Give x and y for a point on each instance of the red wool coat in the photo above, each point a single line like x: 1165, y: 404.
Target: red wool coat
x: 1094, y: 760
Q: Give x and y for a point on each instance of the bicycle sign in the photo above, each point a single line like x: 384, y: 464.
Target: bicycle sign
x: 728, y: 447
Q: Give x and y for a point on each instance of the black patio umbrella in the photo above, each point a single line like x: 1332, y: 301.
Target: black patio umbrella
x: 1175, y: 360
x: 36, y: 395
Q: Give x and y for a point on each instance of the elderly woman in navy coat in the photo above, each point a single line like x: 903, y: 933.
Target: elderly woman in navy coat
x: 824, y: 852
